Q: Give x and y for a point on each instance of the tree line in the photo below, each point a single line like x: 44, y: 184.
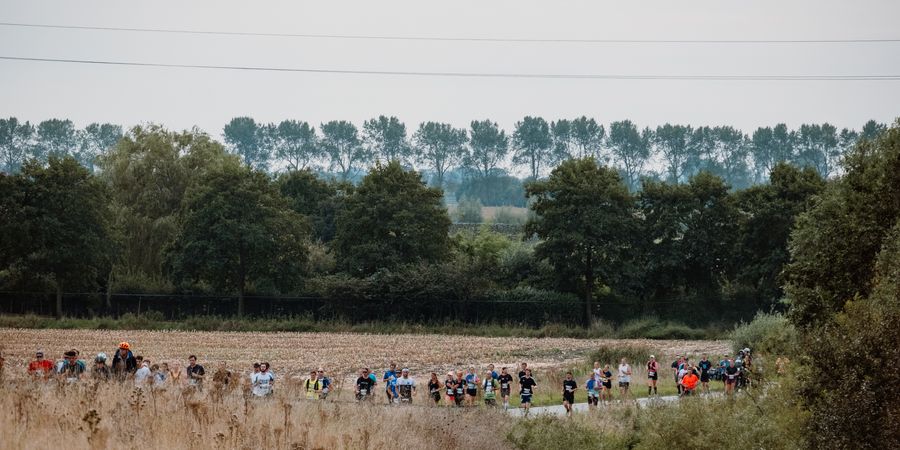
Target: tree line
x: 176, y: 212
x: 483, y: 154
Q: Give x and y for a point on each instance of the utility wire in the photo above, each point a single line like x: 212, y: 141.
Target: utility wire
x: 474, y: 74
x: 459, y: 39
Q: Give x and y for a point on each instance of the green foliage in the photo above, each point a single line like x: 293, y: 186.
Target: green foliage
x: 654, y: 328
x: 469, y: 211
x: 341, y: 143
x: 509, y: 216
x: 15, y: 138
x: 391, y: 219
x: 488, y: 147
x: 631, y: 149
x: 834, y: 245
x: 584, y: 215
x: 768, y: 334
x: 386, y: 139
x: 58, y: 224
x: 248, y: 140
x: 440, y: 147
x: 493, y: 190
x: 532, y: 143
x: 545, y: 432
x: 317, y: 199
x: 238, y: 231
x: 612, y: 354
x: 484, y: 247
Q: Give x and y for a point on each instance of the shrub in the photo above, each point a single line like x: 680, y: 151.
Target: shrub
x: 469, y: 211
x: 510, y: 216
x: 653, y: 328
x: 612, y: 354
x: 771, y: 334
x: 580, y: 432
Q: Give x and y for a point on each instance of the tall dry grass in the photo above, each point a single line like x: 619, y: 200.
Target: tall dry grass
x: 93, y: 415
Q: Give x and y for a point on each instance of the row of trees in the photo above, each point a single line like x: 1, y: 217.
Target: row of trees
x: 178, y: 212
x: 483, y: 153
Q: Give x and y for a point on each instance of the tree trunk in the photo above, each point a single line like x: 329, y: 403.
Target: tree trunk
x: 241, y: 301
x: 59, y: 299
x: 588, y: 290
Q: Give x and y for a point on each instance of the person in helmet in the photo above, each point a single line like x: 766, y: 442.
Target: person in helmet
x: 100, y: 371
x: 123, y: 362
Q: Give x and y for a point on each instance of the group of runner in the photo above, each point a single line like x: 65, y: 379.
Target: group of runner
x: 459, y: 388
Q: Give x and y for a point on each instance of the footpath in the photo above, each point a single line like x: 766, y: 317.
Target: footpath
x: 559, y: 410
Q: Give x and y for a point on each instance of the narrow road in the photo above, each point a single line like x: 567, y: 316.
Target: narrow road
x: 559, y: 410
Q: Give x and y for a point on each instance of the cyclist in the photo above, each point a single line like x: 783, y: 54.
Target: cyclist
x: 569, y: 387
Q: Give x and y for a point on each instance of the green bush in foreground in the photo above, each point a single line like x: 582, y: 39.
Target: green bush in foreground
x: 772, y: 334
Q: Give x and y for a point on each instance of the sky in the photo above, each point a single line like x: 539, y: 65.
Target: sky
x: 181, y: 98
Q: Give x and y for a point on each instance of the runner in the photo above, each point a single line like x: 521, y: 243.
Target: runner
x: 592, y: 393
x: 364, y: 386
x: 596, y: 371
x: 606, y: 384
x: 262, y: 382
x: 406, y: 387
x: 569, y: 387
x: 195, y: 373
x: 72, y: 369
x: 123, y: 362
x: 489, y: 387
x: 390, y: 387
x: 526, y: 390
x: 624, y: 378
x: 471, y: 387
x: 100, y: 371
x: 505, y: 380
x: 705, y: 368
x: 40, y: 367
x: 158, y: 376
x: 731, y: 376
x: 493, y: 372
x: 142, y: 375
x: 522, y: 370
x: 460, y: 394
x: 434, y: 388
x: 326, y: 383
x: 689, y: 381
x: 450, y: 385
x: 676, y: 366
x: 313, y: 386
x: 652, y: 376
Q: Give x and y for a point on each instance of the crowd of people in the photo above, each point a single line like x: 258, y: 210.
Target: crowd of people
x: 458, y: 388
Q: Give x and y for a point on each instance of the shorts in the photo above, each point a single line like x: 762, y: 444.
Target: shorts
x: 608, y: 385
x: 490, y: 402
x: 624, y: 383
x: 653, y: 377
x: 687, y: 391
x: 569, y: 397
x: 458, y: 399
x: 471, y: 392
x: 730, y: 381
x: 436, y: 396
x: 504, y: 392
x: 593, y: 393
x: 704, y: 377
x: 526, y: 399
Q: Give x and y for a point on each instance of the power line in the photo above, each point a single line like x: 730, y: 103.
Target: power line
x: 459, y: 39
x: 474, y: 74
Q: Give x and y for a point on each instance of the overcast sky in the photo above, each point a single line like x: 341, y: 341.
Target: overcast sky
x: 182, y: 98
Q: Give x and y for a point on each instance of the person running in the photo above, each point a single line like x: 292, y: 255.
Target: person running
x: 505, y: 380
x: 364, y: 386
x: 174, y: 373
x: 569, y: 387
x: 731, y: 377
x: 460, y: 395
x: 489, y: 387
x: 676, y: 366
x: 689, y: 383
x: 390, y: 387
x: 705, y: 369
x: 40, y: 368
x: 123, y: 362
x: 606, y: 384
x: 652, y: 376
x: 471, y: 386
x: 72, y: 369
x: 596, y: 371
x: 406, y: 387
x: 522, y: 370
x: 450, y: 386
x: 142, y: 375
x: 100, y: 371
x: 434, y: 388
x: 326, y: 383
x: 624, y: 379
x: 313, y: 386
x: 159, y: 376
x: 493, y: 372
x: 195, y: 373
x: 263, y: 381
x: 592, y: 393
x: 526, y: 390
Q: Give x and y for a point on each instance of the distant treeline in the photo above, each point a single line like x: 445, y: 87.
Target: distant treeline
x: 477, y: 162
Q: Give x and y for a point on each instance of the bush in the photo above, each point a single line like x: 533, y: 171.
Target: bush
x: 469, y: 211
x: 653, y: 328
x: 140, y: 283
x: 510, y: 216
x: 612, y: 354
x: 771, y: 334
x: 579, y: 432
